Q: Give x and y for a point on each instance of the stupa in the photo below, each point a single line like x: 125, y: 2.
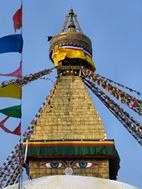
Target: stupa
x: 68, y: 135
x: 69, y: 147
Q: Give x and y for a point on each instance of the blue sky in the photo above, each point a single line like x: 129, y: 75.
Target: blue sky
x: 115, y: 28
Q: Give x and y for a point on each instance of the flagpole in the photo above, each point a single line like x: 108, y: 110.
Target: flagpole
x: 21, y: 150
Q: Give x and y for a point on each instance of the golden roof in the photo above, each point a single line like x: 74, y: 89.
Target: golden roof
x: 68, y: 113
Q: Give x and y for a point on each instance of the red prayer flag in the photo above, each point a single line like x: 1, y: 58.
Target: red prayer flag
x: 17, y: 130
x: 17, y: 19
x: 2, y: 122
x: 17, y: 73
x: 133, y: 104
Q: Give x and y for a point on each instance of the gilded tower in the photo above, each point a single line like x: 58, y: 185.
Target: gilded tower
x: 68, y: 135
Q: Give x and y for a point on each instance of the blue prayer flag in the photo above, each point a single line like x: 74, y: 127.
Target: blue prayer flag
x: 11, y: 43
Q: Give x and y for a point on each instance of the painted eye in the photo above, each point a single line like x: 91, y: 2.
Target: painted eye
x: 54, y: 164
x: 89, y: 165
x: 83, y: 164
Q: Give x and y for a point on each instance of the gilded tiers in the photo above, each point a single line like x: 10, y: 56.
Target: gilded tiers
x: 71, y: 45
x: 68, y: 113
x: 72, y: 38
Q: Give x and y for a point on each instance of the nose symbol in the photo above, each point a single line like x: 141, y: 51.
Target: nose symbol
x: 68, y: 171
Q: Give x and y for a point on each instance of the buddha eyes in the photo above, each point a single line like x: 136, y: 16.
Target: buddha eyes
x: 58, y: 164
x: 83, y: 164
x: 54, y: 164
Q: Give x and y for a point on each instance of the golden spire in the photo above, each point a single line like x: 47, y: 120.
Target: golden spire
x: 71, y: 47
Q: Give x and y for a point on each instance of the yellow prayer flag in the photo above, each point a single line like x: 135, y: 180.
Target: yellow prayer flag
x: 11, y: 91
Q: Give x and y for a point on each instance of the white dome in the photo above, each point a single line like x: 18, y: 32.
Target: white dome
x: 72, y: 182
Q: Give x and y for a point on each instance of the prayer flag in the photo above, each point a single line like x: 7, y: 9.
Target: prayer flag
x: 3, y: 121
x: 11, y: 43
x: 16, y: 131
x: 49, y: 38
x: 17, y: 73
x: 133, y: 104
x: 13, y: 111
x: 17, y: 19
x: 11, y: 91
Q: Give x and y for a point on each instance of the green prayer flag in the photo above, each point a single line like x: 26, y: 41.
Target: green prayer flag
x: 13, y: 111
x: 140, y: 106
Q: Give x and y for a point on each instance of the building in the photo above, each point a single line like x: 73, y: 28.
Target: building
x: 68, y: 135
